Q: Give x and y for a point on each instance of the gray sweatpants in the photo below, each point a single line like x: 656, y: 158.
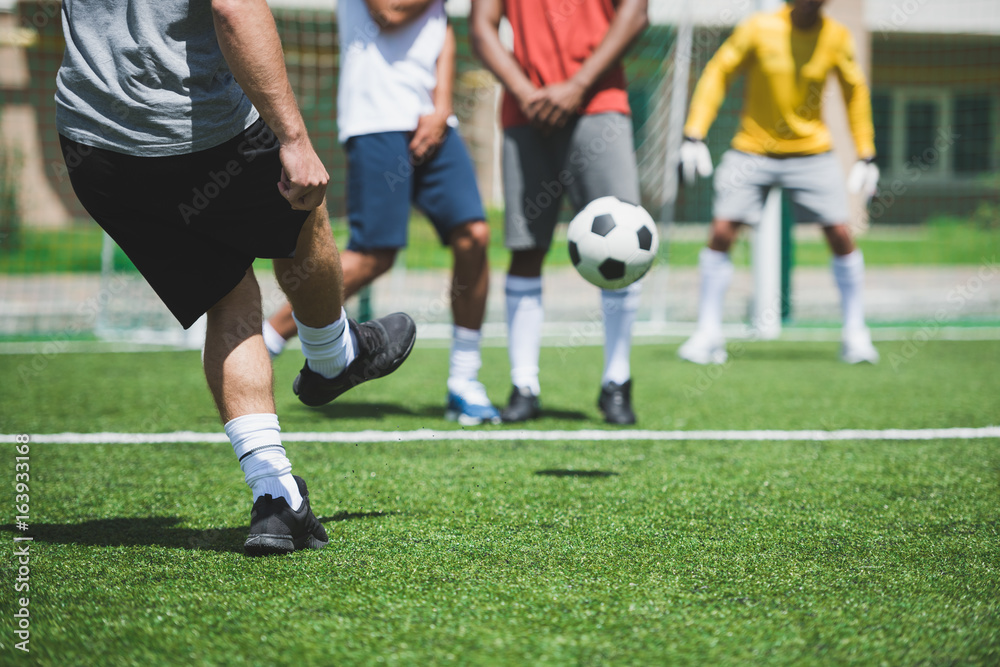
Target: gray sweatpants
x: 590, y: 158
x: 815, y: 183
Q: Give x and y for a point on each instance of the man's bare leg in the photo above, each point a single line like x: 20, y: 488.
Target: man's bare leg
x: 359, y: 269
x: 238, y: 372
x: 468, y: 402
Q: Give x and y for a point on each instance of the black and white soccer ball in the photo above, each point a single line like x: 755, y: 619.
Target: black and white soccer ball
x: 611, y: 243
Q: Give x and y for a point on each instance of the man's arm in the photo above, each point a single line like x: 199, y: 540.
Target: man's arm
x: 556, y: 103
x: 484, y: 35
x: 431, y: 128
x: 715, y: 79
x: 391, y: 14
x: 249, y: 41
x: 857, y: 98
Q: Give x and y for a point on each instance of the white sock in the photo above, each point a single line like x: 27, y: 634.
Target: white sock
x: 274, y: 341
x: 327, y: 349
x: 849, y: 273
x: 524, y: 330
x: 619, y: 308
x: 262, y: 457
x: 716, y: 270
x: 465, y: 360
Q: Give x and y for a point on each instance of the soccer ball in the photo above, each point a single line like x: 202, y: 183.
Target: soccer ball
x: 612, y: 244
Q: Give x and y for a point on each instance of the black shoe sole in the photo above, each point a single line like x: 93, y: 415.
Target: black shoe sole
x: 520, y: 413
x: 517, y: 419
x: 314, y: 390
x: 276, y: 544
x: 618, y: 421
x: 268, y: 545
x: 616, y: 412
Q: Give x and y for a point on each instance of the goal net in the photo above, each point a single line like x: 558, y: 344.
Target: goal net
x: 930, y: 237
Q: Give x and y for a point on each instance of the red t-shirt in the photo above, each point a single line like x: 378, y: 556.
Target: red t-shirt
x: 552, y: 38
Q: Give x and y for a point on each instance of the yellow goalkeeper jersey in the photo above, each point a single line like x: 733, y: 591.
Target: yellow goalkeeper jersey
x: 786, y: 71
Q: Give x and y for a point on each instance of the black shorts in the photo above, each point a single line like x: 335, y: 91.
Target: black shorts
x: 192, y: 224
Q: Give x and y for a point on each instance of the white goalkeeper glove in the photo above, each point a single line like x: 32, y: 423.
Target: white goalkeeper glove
x: 695, y: 160
x: 863, y: 178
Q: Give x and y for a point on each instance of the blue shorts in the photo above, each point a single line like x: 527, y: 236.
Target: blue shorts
x: 383, y: 182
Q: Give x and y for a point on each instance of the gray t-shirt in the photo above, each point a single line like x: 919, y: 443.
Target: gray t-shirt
x: 146, y: 77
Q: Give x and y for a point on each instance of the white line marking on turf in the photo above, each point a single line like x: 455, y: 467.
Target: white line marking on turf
x: 517, y: 435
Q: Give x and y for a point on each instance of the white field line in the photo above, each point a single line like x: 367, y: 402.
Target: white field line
x: 429, y: 435
x: 558, y: 334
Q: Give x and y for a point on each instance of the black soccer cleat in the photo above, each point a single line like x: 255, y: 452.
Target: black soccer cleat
x: 615, y: 402
x: 521, y: 406
x: 382, y: 346
x: 276, y: 529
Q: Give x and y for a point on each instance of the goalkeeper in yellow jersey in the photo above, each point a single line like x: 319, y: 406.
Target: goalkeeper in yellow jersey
x: 782, y: 141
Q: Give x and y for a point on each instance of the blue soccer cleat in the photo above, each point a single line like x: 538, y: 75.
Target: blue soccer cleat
x: 471, y: 406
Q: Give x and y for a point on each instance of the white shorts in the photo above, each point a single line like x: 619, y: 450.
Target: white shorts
x: 815, y: 183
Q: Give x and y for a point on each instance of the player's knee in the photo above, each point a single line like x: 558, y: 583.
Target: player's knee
x: 721, y: 242
x: 471, y: 237
x: 840, y: 239
x: 378, y: 262
x: 722, y: 235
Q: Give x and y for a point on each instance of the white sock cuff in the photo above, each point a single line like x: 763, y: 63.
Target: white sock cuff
x: 527, y: 378
x: 463, y: 335
x: 624, y: 299
x: 713, y: 259
x: 274, y: 341
x: 523, y: 285
x: 848, y: 261
x: 318, y: 336
x: 257, y: 444
x: 240, y: 428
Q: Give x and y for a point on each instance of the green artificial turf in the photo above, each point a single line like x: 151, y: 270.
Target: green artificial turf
x: 942, y: 241
x: 773, y: 385
x: 525, y: 552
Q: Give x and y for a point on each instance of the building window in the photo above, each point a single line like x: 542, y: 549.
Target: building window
x: 972, y: 115
x: 882, y: 120
x: 922, y: 122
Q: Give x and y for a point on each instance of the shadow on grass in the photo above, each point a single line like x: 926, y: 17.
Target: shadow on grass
x: 158, y: 531
x: 576, y: 473
x: 346, y: 410
x: 574, y: 415
x: 377, y: 411
x: 161, y: 531
x: 821, y: 352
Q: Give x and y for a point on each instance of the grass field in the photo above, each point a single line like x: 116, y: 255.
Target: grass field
x: 941, y: 241
x: 524, y: 551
